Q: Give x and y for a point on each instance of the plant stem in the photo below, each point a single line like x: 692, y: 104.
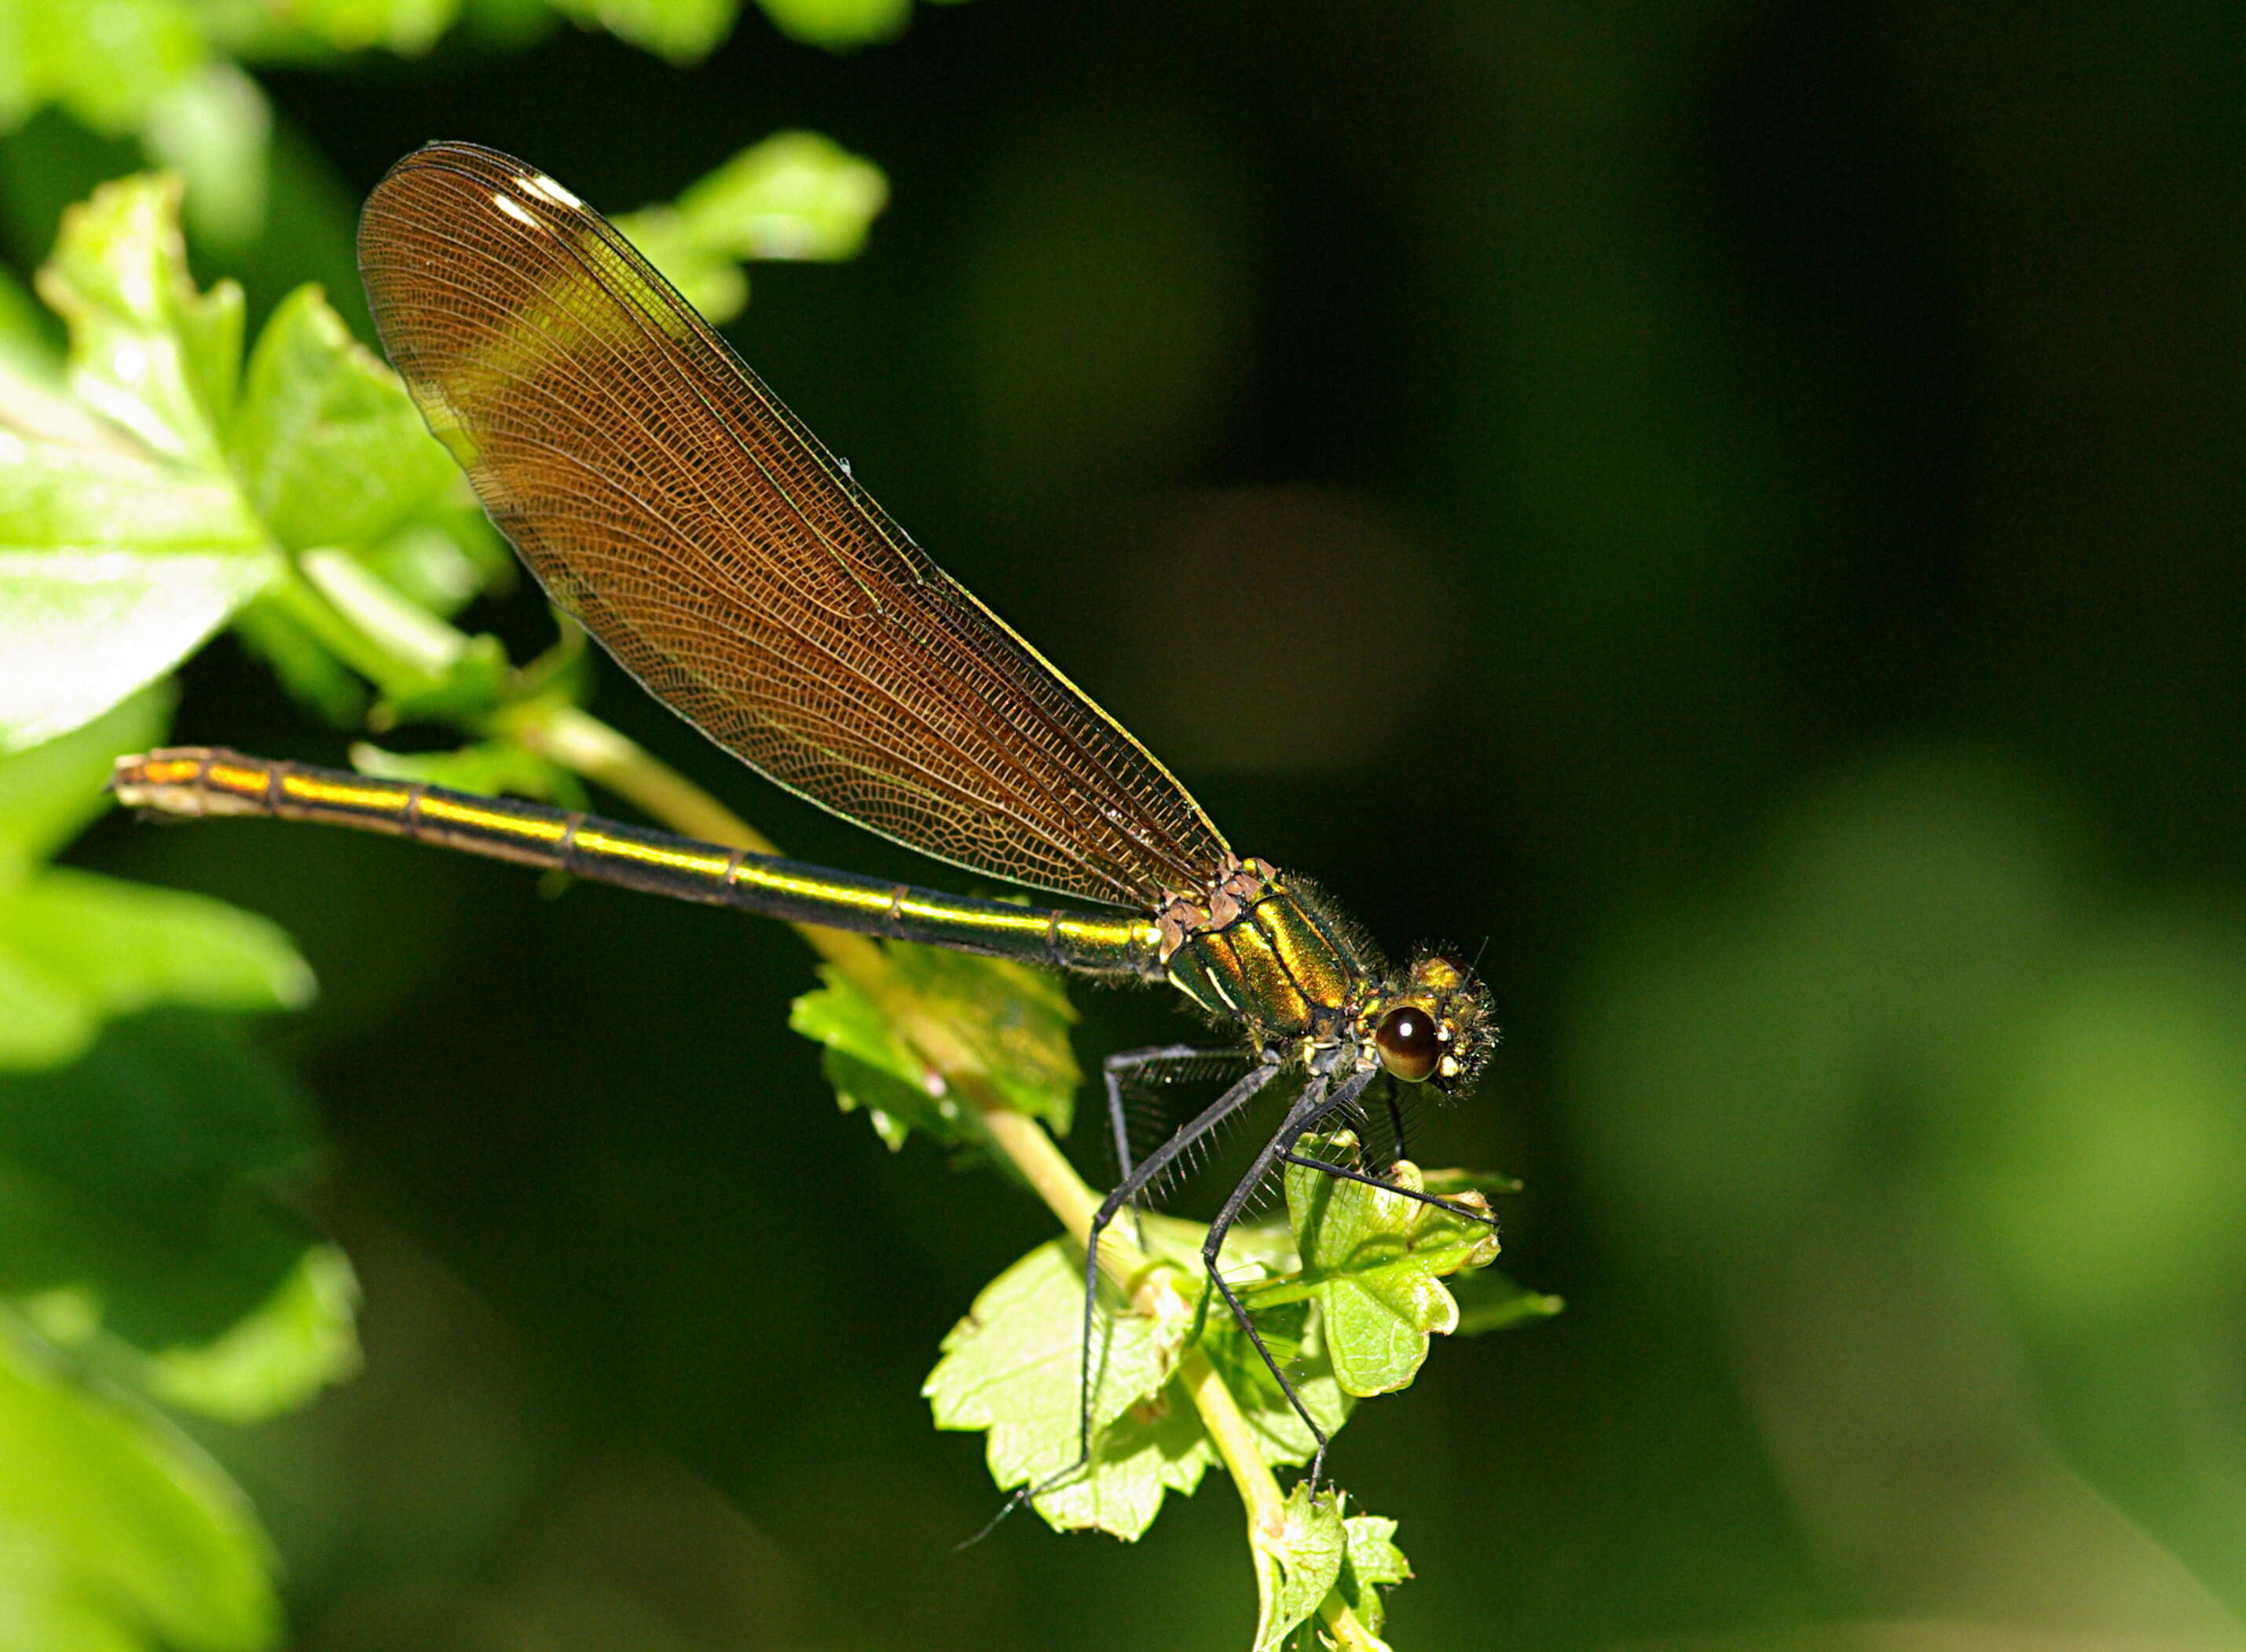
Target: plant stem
x: 394, y: 644
x: 590, y: 747
x: 1349, y: 1631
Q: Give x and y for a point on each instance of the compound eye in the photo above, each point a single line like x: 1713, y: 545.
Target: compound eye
x: 1408, y: 1043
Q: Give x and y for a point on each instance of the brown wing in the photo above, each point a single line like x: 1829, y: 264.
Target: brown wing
x: 663, y: 496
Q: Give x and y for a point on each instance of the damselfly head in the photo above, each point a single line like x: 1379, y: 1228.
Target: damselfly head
x: 1434, y: 1026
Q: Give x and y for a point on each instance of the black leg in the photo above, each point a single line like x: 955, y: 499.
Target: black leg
x: 1235, y: 1097
x: 1125, y: 1066
x: 1314, y: 1104
x: 1395, y: 1119
x: 1347, y: 1173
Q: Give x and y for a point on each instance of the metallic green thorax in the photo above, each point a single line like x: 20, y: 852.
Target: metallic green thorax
x: 1269, y: 952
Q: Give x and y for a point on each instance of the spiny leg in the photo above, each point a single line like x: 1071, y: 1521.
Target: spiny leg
x: 1388, y: 1096
x: 1314, y: 1104
x: 1235, y: 1097
x: 1123, y: 1068
x: 1348, y: 1173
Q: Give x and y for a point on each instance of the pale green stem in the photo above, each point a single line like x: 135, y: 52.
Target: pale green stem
x: 583, y: 743
x: 589, y: 747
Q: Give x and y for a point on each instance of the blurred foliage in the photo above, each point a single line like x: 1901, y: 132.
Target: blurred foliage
x: 147, y: 1250
x: 154, y: 484
x: 1015, y: 1019
x: 796, y: 196
x: 1738, y: 506
x: 296, y: 484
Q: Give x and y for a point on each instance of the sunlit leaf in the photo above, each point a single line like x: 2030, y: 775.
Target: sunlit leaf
x: 408, y: 27
x: 1373, y: 1260
x: 1262, y: 1257
x: 61, y: 498
x: 1371, y: 1564
x: 25, y: 349
x: 1297, y: 1338
x: 441, y: 563
x: 1489, y: 1302
x: 894, y: 1108
x: 213, y: 129
x: 707, y: 277
x: 1298, y: 1563
x: 78, y: 950
x: 304, y: 666
x: 1015, y: 1019
x: 147, y: 350
x: 119, y: 554
x: 80, y: 631
x: 796, y: 196
x: 1012, y: 1367
x: 327, y: 444
x: 107, y: 62
x: 107, y: 948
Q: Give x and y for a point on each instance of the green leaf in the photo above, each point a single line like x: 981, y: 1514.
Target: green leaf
x: 148, y: 1178
x: 894, y: 1108
x: 316, y: 447
x: 1260, y: 1257
x: 706, y: 277
x: 147, y: 351
x: 871, y: 1069
x: 124, y: 543
x: 49, y: 793
x: 839, y: 24
x: 477, y: 679
x: 327, y: 444
x: 57, y: 498
x: 26, y: 353
x: 1298, y: 1564
x: 1373, y: 1261
x: 407, y: 27
x: 213, y: 129
x: 1297, y: 1340
x: 112, y: 569
x: 1012, y: 1367
x: 1015, y: 1019
x: 442, y: 563
x: 80, y: 631
x: 311, y: 675
x: 1372, y: 1562
x: 115, y: 1533
x: 107, y: 62
x: 78, y: 949
x: 681, y: 31
x: 302, y: 1339
x: 796, y: 196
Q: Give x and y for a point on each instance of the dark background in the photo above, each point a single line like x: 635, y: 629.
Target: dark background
x: 1729, y: 513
